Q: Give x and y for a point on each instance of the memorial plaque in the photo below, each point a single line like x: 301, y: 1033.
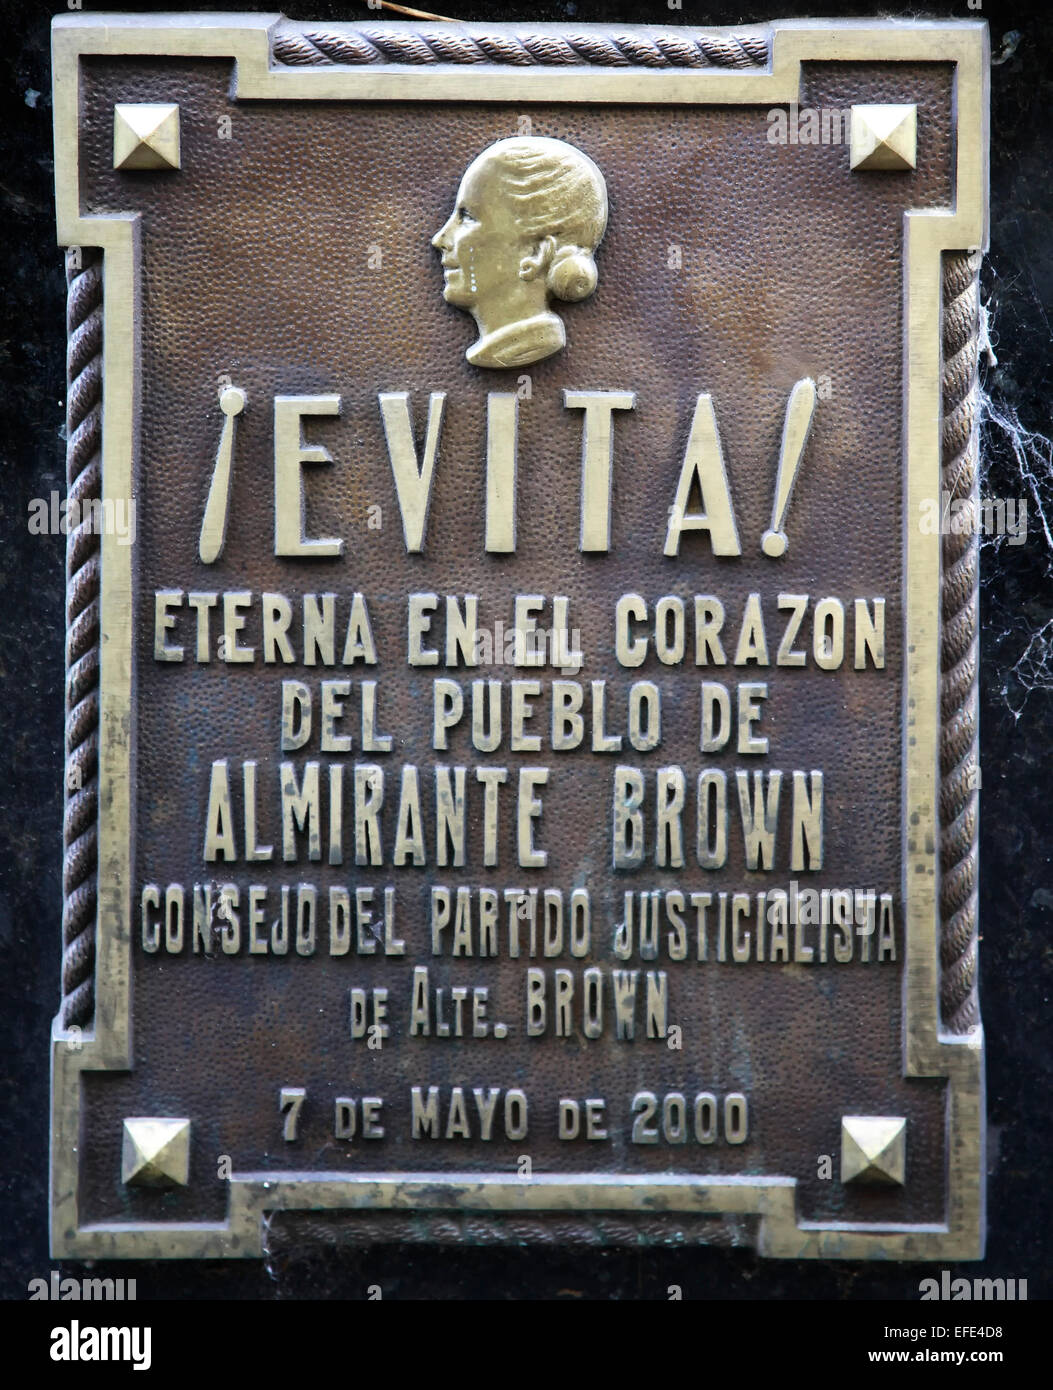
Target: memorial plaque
x: 521, y: 743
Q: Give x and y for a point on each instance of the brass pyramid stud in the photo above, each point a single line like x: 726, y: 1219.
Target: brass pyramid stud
x: 874, y: 1149
x: 156, y: 1153
x: 884, y: 137
x: 146, y: 135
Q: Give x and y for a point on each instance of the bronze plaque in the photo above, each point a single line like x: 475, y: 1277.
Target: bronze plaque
x: 521, y: 769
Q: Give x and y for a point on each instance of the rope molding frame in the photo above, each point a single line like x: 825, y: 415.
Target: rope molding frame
x: 304, y: 45
x: 83, y: 582
x: 959, y: 654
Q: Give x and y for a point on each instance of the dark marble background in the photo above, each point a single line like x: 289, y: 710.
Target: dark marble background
x: 1016, y: 733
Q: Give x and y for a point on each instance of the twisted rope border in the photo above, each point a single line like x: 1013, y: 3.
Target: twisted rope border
x: 289, y: 1233
x: 83, y: 546
x: 959, y: 651
x: 305, y: 47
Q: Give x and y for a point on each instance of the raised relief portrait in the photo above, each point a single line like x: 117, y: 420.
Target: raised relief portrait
x: 530, y: 213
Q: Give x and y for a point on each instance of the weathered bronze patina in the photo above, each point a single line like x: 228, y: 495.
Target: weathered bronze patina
x: 521, y: 769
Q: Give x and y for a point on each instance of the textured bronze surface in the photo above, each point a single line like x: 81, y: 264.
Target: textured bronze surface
x: 290, y: 255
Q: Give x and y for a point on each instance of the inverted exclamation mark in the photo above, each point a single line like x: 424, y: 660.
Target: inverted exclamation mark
x: 214, y: 522
x: 795, y: 430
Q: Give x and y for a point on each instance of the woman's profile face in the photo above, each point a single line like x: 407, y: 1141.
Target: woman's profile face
x: 481, y: 243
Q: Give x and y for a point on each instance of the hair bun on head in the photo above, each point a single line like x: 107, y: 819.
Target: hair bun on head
x: 572, y: 274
